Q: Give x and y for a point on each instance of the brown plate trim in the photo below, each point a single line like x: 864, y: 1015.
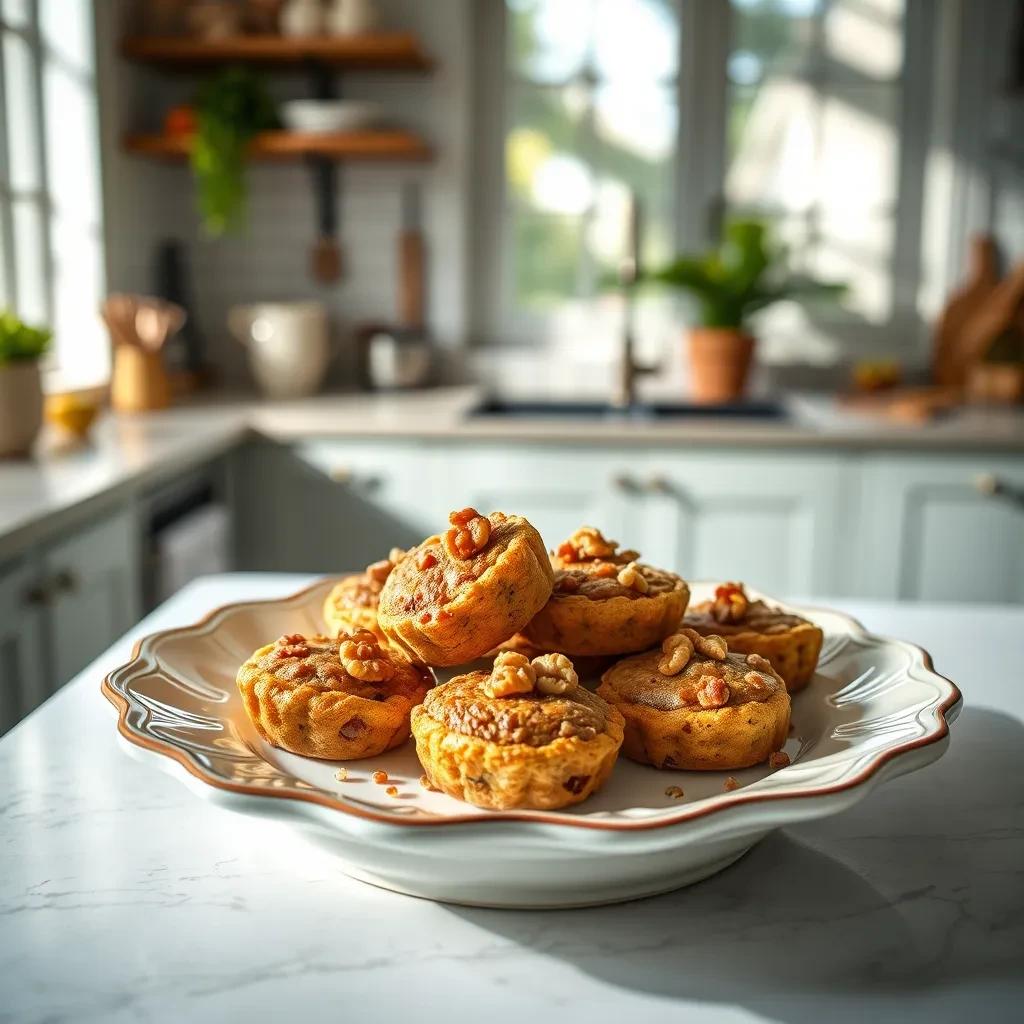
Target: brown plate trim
x: 123, y: 705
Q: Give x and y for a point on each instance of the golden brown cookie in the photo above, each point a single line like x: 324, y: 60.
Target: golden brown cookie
x: 692, y: 705
x: 339, y: 699
x: 352, y: 603
x: 525, y: 734
x: 458, y: 595
x: 789, y: 642
x: 604, y: 601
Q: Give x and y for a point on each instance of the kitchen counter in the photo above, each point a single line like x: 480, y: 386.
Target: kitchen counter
x: 123, y: 896
x: 137, y: 450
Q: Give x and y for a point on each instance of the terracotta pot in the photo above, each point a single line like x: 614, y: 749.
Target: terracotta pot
x: 719, y: 362
x: 21, y: 407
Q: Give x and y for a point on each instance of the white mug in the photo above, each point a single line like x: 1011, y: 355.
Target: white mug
x: 288, y: 345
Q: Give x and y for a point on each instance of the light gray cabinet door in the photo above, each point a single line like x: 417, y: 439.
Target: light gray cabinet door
x: 95, y: 593
x: 949, y: 529
x: 775, y: 521
x: 23, y: 669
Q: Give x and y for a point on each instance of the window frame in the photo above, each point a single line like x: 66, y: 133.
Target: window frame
x: 45, y: 208
x: 700, y: 163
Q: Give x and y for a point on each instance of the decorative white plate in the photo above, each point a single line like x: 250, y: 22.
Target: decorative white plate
x: 874, y: 711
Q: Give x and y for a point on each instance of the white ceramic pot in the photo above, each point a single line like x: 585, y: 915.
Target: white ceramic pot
x: 21, y: 407
x: 302, y: 18
x: 288, y: 345
x: 350, y: 17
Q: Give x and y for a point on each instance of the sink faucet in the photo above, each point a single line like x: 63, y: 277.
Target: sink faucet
x: 629, y: 273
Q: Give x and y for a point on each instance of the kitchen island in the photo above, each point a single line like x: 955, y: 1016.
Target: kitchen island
x: 124, y: 896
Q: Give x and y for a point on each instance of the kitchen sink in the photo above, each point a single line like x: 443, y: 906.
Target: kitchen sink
x: 508, y: 408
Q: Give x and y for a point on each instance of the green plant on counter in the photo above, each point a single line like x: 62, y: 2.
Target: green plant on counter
x: 230, y: 109
x: 741, y: 276
x: 19, y: 342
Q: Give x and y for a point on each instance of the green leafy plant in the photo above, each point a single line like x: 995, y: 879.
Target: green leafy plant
x: 230, y: 109
x: 742, y: 275
x: 19, y: 342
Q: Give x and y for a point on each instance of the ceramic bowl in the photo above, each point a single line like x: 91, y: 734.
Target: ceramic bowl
x: 875, y: 710
x: 327, y: 116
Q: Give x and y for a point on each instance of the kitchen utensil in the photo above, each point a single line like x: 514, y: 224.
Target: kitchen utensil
x: 874, y: 711
x: 411, y: 261
x: 139, y: 381
x: 323, y: 117
x: 350, y: 17
x: 996, y: 383
x: 185, y: 359
x: 325, y: 258
x: 949, y: 362
x: 398, y: 359
x: 287, y: 344
x: 997, y: 321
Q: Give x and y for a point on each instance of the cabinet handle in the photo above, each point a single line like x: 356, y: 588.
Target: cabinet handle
x: 992, y: 486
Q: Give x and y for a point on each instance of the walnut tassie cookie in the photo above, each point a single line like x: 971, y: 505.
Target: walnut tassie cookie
x: 352, y: 603
x: 694, y: 706
x: 605, y: 601
x: 789, y: 642
x: 339, y: 699
x: 525, y: 734
x: 458, y: 595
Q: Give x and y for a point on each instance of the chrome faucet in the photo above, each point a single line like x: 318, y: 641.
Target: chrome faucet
x: 629, y: 274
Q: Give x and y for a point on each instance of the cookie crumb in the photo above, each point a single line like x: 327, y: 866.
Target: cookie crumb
x: 427, y: 784
x: 341, y: 774
x: 778, y: 759
x: 675, y: 792
x: 379, y: 777
x: 731, y: 784
x: 391, y: 791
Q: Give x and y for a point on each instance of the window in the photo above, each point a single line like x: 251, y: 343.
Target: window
x: 51, y: 253
x: 797, y: 111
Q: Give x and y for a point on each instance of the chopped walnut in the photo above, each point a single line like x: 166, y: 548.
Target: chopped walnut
x: 292, y: 646
x: 630, y: 576
x: 712, y: 646
x: 730, y: 603
x: 675, y: 792
x: 779, y: 759
x: 587, y: 544
x: 605, y: 570
x: 757, y: 686
x: 731, y: 784
x: 469, y: 533
x: 362, y: 658
x: 426, y: 560
x: 712, y: 692
x: 756, y: 661
x: 290, y: 639
x: 678, y: 649
x: 554, y: 674
x: 512, y: 674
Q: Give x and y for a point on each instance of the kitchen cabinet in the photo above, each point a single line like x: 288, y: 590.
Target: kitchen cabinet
x: 943, y: 529
x: 94, y: 582
x: 23, y: 670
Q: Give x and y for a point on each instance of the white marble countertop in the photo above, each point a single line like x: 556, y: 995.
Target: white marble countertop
x: 125, y: 897
x: 133, y: 451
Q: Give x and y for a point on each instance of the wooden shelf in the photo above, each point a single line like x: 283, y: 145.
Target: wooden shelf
x: 368, y: 145
x: 392, y: 51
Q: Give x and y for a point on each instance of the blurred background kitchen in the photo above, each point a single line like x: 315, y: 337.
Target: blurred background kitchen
x: 741, y: 283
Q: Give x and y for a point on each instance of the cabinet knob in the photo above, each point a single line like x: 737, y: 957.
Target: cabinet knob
x: 993, y: 486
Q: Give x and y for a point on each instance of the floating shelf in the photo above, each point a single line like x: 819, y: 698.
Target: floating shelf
x: 391, y: 51
x: 367, y: 145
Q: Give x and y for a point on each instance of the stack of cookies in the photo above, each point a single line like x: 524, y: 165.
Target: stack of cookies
x: 708, y: 690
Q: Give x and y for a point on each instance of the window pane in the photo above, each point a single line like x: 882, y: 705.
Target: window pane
x: 80, y: 347
x: 546, y: 259
x: 624, y: 29
x: 865, y: 39
x: 72, y: 159
x: 19, y: 85
x: 771, y: 37
x: 548, y: 40
x: 66, y: 27
x: 29, y: 250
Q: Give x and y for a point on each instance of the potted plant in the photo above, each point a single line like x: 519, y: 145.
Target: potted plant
x: 744, y: 274
x: 21, y: 394
x: 230, y: 110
